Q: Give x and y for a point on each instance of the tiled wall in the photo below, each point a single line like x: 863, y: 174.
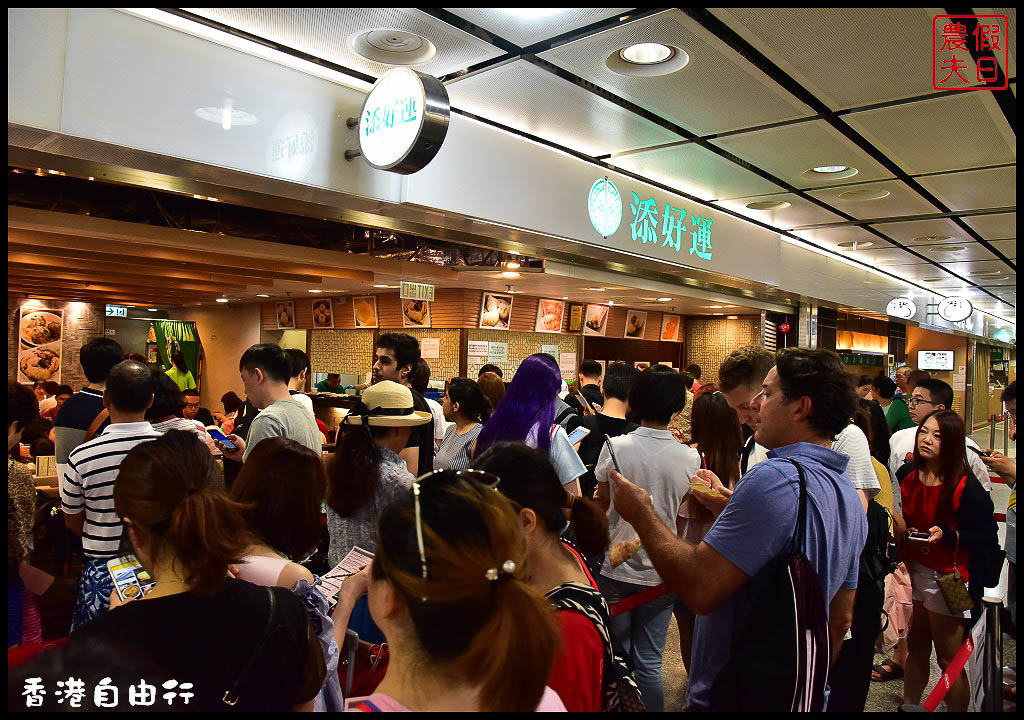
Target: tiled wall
x: 341, y: 351
x: 520, y: 346
x: 82, y: 323
x: 447, y: 366
x: 710, y: 340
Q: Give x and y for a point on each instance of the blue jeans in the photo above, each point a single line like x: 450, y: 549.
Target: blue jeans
x: 641, y: 634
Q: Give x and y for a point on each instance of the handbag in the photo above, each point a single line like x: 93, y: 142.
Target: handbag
x: 953, y: 587
x: 362, y: 665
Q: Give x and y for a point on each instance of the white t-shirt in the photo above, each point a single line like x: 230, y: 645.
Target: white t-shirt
x: 853, y: 443
x: 47, y: 403
x: 562, y: 454
x: 758, y: 454
x: 304, y: 400
x: 440, y: 424
x: 901, y: 449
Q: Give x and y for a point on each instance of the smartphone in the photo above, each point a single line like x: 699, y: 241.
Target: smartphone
x: 919, y: 536
x: 578, y: 434
x: 219, y: 436
x: 587, y: 407
x: 702, y: 488
x: 130, y: 579
x: 611, y: 451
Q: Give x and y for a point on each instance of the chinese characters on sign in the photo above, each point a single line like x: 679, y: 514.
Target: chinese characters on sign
x: 645, y: 227
x: 72, y: 693
x: 967, y: 51
x: 292, y: 146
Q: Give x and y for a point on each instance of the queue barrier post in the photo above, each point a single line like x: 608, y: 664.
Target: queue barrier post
x: 992, y: 432
x: 993, y: 659
x: 1006, y: 433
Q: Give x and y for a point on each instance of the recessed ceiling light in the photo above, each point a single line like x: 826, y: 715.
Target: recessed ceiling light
x: 316, y: 291
x: 855, y: 244
x: 595, y: 289
x: 950, y: 248
x: 262, y: 295
x: 648, y: 53
x: 714, y: 307
x: 512, y: 264
x: 664, y: 299
x: 158, y: 309
x: 393, y: 47
x: 831, y: 169
x: 830, y: 172
x: 864, y: 194
x: 565, y: 297
x: 718, y: 313
x: 226, y: 116
x: 769, y: 205
x: 222, y: 300
x: 932, y: 238
x: 380, y: 286
x: 510, y: 274
x: 611, y: 302
x: 732, y: 317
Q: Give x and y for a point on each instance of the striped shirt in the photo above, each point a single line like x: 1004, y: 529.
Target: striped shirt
x: 88, y: 484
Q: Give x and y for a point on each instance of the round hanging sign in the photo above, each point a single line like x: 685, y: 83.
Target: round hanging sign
x: 901, y: 307
x: 955, y: 309
x: 403, y: 121
x: 604, y: 204
x: 784, y: 328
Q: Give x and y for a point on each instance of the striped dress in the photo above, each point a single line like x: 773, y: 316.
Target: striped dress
x: 454, y: 451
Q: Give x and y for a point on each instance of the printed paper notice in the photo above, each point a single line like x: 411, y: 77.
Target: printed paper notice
x: 960, y: 381
x: 551, y: 350
x: 497, y: 352
x: 352, y: 563
x: 567, y: 363
x: 477, y: 348
x: 430, y: 348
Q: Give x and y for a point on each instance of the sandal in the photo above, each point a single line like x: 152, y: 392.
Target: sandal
x: 886, y: 670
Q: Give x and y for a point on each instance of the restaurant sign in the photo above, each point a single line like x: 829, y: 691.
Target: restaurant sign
x: 901, y: 307
x: 955, y: 309
x: 403, y: 121
x: 416, y: 291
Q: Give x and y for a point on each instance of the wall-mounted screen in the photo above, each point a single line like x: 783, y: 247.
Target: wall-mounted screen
x: 935, y: 359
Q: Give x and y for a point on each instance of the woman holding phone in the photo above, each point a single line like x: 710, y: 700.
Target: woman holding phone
x: 950, y: 527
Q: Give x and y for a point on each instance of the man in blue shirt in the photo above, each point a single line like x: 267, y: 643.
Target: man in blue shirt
x: 805, y: 401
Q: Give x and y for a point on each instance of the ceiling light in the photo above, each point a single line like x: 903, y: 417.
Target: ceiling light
x: 864, y: 195
x: 664, y: 299
x: 157, y: 309
x: 565, y: 297
x: 262, y: 295
x: 855, y: 244
x: 951, y: 248
x: 831, y: 169
x: 714, y: 307
x: 648, y: 53
x: 718, y: 313
x: 732, y: 317
x: 381, y: 286
x: 510, y: 274
x: 222, y: 300
x: 316, y: 291
x: 932, y: 238
x: 512, y: 264
x: 768, y: 205
x: 611, y: 302
x: 226, y: 116
x: 393, y: 47
x: 595, y: 289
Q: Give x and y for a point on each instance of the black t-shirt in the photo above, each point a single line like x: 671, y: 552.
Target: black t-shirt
x: 590, y: 449
x: 422, y: 436
x: 591, y: 392
x: 208, y: 640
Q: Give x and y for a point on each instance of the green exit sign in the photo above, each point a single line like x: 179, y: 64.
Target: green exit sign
x: 416, y: 291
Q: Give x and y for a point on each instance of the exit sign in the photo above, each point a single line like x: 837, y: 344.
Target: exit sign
x: 416, y: 291
x: 117, y: 311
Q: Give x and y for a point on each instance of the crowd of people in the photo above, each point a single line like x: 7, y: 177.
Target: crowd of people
x: 530, y: 546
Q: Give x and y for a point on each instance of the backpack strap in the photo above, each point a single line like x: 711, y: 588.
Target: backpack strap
x: 242, y: 676
x: 799, y: 538
x: 745, y: 453
x: 95, y: 425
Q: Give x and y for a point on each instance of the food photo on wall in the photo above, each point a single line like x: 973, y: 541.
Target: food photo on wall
x: 323, y: 314
x: 364, y: 311
x: 285, y: 311
x: 549, y: 316
x: 670, y: 328
x: 416, y: 313
x: 597, y: 320
x: 40, y: 333
x: 636, y: 323
x: 495, y: 311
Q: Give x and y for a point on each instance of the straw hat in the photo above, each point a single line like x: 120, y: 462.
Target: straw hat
x: 387, y: 404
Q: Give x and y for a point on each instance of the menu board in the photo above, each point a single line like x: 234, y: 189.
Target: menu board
x: 40, y: 332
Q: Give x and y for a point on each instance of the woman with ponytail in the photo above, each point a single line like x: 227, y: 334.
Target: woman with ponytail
x: 242, y: 647
x: 588, y: 674
x: 449, y: 588
x: 466, y: 406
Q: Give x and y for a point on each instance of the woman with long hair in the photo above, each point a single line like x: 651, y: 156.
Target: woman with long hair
x: 465, y: 406
x: 527, y: 415
x: 493, y: 388
x: 196, y: 622
x: 180, y: 373
x: 718, y: 439
x: 943, y: 500
x: 448, y: 587
x: 588, y: 674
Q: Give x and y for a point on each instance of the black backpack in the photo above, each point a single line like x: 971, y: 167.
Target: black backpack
x: 779, y: 660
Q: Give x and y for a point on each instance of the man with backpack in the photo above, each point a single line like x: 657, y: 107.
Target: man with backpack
x: 773, y: 582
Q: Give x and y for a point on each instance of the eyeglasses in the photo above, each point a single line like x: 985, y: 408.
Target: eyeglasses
x: 488, y: 480
x: 915, y: 401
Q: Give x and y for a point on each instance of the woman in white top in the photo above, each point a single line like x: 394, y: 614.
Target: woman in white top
x: 664, y: 467
x: 527, y: 414
x: 283, y: 483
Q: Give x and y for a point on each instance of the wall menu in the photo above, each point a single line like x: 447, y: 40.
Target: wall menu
x: 40, y: 335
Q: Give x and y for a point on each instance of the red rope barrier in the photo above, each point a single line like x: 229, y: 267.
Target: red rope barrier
x: 949, y: 676
x: 628, y: 604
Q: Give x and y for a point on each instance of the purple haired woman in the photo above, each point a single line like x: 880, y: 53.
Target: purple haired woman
x: 527, y: 414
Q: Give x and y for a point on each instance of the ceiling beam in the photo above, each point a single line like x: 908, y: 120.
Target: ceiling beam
x: 61, y: 270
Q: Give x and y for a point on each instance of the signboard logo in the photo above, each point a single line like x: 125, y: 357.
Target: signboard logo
x: 416, y: 291
x: 955, y: 309
x: 291, y: 149
x: 646, y: 228
x: 967, y: 51
x: 403, y: 121
x: 901, y: 307
x: 605, y: 207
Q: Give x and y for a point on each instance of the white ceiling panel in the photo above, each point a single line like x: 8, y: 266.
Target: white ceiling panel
x: 1006, y: 247
x: 800, y: 212
x: 788, y: 151
x: 697, y: 171
x: 974, y: 189
x: 523, y: 96
x: 969, y: 269
x: 901, y: 200
x: 743, y: 95
x: 956, y: 131
x: 994, y: 227
x: 960, y: 252
x: 328, y: 32
x: 827, y: 51
x: 914, y: 233
x: 830, y: 237
x: 884, y: 257
x: 528, y: 26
